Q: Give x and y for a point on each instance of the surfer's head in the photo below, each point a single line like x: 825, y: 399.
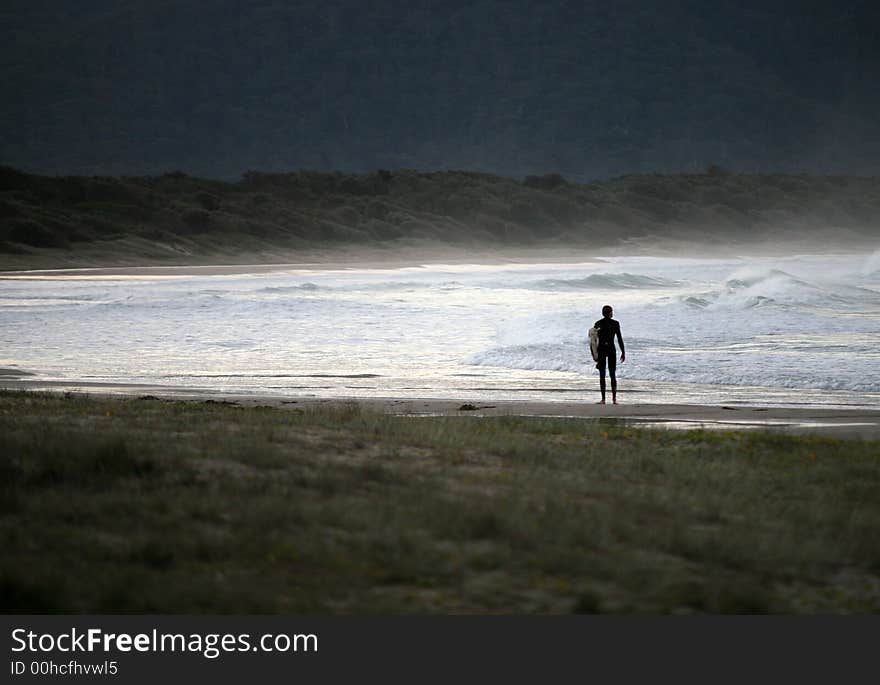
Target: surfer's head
x: 607, y: 311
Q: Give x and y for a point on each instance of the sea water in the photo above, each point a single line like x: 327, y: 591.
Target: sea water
x: 766, y: 331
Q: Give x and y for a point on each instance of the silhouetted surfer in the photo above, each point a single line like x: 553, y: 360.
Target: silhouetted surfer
x: 608, y: 328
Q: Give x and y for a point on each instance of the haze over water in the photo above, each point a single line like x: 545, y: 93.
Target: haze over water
x: 762, y: 331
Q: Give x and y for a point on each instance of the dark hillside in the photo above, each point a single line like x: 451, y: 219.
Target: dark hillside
x: 59, y: 221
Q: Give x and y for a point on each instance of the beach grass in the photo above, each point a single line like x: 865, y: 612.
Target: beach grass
x: 143, y: 505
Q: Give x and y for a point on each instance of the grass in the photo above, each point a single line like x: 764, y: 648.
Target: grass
x: 139, y: 505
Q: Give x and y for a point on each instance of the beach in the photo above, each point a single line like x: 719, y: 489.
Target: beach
x: 715, y: 342
x: 390, y: 438
x: 858, y: 423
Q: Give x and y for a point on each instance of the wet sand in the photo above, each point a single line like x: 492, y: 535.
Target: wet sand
x: 854, y: 423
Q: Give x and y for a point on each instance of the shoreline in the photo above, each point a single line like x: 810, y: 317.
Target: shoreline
x: 319, y: 260
x: 849, y: 423
x: 817, y: 419
x: 397, y: 257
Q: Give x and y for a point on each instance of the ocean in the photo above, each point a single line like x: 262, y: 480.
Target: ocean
x: 767, y: 331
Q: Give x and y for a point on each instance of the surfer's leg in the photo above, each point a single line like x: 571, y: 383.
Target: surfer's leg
x: 601, y: 366
x: 612, y: 371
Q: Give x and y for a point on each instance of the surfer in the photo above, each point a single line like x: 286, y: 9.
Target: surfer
x: 605, y: 353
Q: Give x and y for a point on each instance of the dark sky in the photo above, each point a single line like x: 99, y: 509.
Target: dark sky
x: 588, y: 89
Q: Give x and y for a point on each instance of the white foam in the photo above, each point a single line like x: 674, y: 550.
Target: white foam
x: 802, y: 323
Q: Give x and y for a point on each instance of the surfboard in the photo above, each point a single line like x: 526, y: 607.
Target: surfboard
x: 594, y: 343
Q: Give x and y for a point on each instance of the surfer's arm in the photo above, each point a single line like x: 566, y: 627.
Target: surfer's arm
x: 622, y: 349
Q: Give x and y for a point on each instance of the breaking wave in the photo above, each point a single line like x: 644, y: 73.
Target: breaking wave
x: 755, y: 327
x: 747, y: 290
x: 609, y: 281
x: 307, y: 286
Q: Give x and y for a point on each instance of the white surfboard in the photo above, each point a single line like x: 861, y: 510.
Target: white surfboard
x: 594, y: 343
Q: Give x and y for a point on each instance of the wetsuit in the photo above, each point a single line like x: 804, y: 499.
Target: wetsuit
x: 608, y: 329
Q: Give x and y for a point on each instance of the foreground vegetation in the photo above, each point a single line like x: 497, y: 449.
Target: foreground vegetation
x: 53, y: 222
x: 145, y: 505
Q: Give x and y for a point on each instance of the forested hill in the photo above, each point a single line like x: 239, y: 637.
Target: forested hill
x: 589, y: 88
x: 175, y: 218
